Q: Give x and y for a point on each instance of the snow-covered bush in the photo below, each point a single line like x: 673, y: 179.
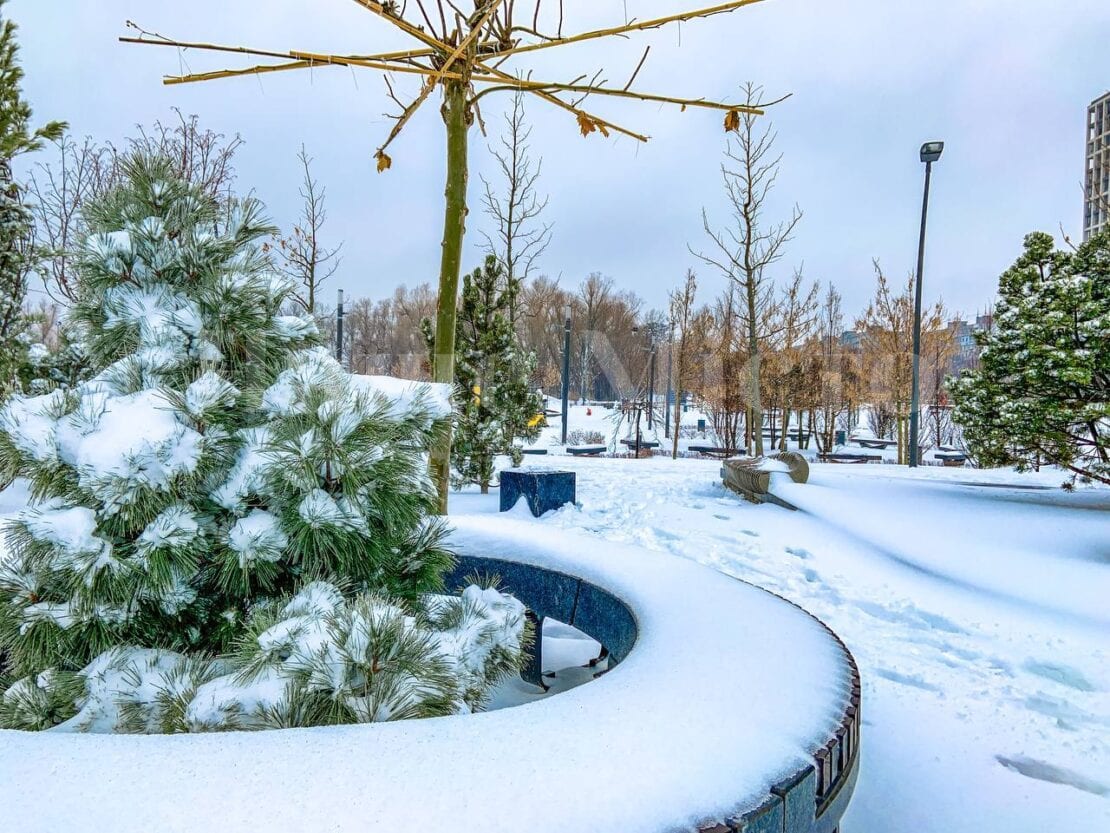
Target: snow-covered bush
x: 581, y: 436
x: 226, y: 530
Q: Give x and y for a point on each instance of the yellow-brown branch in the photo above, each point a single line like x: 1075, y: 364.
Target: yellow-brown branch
x: 415, y: 31
x: 589, y: 89
x: 654, y: 23
x: 565, y: 105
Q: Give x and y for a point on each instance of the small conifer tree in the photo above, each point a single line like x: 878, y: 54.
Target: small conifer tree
x: 1042, y: 391
x: 492, y: 373
x: 16, y: 250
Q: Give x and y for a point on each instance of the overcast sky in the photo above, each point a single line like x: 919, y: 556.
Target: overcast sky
x: 1004, y: 83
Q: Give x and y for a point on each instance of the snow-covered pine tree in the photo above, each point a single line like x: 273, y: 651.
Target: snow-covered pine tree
x: 16, y: 258
x: 226, y: 529
x: 492, y: 374
x: 64, y: 364
x: 1042, y: 391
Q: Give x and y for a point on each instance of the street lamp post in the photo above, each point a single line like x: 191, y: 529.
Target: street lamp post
x: 930, y: 153
x: 566, y: 368
x: 651, y: 384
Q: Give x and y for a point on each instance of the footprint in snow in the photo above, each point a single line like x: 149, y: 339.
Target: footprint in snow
x: 667, y: 535
x: 722, y: 517
x: 1063, y: 674
x: 1067, y: 716
x: 911, y: 615
x: 913, y: 680
x: 1044, y: 771
x: 799, y: 552
x: 752, y: 533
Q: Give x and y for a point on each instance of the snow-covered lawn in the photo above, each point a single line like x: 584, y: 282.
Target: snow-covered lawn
x: 979, y: 615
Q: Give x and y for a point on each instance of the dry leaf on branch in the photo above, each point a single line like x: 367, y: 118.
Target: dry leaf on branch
x: 586, y: 124
x: 732, y: 121
x: 384, y: 162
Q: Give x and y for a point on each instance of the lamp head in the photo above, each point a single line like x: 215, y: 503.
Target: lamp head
x: 931, y: 151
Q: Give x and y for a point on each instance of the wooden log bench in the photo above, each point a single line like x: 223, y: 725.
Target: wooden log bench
x: 751, y: 477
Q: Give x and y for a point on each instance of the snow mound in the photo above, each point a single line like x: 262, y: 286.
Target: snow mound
x: 727, y: 690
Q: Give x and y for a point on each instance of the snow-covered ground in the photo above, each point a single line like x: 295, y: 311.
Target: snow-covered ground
x: 979, y: 615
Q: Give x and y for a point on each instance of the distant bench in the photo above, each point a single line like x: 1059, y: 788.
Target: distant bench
x: 951, y: 458
x: 586, y: 450
x: 716, y: 451
x: 533, y: 451
x: 875, y: 443
x: 846, y: 457
x: 642, y: 443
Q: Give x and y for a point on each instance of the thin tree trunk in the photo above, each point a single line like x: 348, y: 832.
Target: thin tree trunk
x: 677, y: 399
x: 754, y: 352
x: 454, y: 226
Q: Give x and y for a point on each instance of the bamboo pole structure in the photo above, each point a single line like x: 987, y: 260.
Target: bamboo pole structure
x: 463, y: 55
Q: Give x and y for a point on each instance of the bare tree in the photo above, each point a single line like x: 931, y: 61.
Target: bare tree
x: 80, y: 172
x: 513, y: 205
x: 304, y: 258
x: 830, y: 384
x: 84, y: 170
x: 682, y: 320
x: 722, y: 386
x: 744, y: 251
x: 539, y: 325
x: 794, y: 320
x: 201, y: 156
x: 886, y: 339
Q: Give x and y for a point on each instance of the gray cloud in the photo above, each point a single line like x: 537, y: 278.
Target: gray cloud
x: 1004, y: 83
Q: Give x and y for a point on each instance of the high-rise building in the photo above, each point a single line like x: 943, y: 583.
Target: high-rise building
x: 1096, y: 184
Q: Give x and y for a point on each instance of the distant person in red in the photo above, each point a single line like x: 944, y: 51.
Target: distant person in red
x: 589, y: 412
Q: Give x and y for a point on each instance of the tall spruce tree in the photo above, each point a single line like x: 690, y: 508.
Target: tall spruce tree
x: 16, y: 256
x: 492, y: 374
x: 227, y: 530
x: 1042, y: 391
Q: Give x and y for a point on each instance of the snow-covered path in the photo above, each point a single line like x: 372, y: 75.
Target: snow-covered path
x: 979, y: 617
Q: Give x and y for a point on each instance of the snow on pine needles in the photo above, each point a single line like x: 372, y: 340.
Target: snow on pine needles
x: 220, y: 528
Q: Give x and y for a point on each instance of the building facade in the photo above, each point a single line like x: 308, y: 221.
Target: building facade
x: 1096, y: 182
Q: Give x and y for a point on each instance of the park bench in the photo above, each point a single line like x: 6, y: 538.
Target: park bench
x: 586, y: 450
x: 643, y: 443
x: 952, y: 458
x: 847, y: 457
x: 751, y: 477
x: 531, y: 451
x: 875, y: 443
x: 716, y: 451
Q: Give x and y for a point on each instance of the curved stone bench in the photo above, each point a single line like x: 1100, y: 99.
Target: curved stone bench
x: 729, y: 710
